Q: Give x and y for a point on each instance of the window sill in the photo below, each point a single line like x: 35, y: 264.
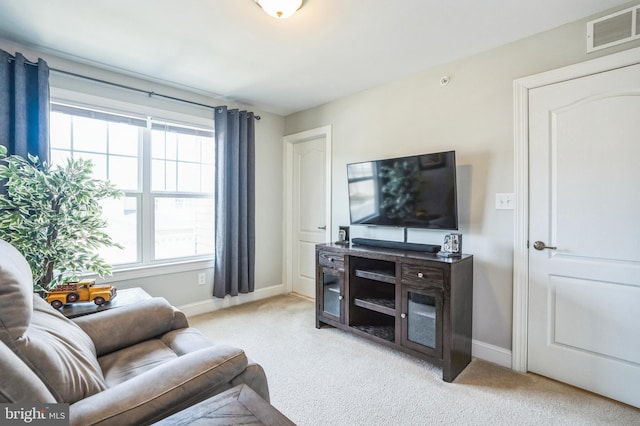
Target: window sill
x: 136, y: 272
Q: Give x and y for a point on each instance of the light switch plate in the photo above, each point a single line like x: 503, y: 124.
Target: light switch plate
x: 504, y: 201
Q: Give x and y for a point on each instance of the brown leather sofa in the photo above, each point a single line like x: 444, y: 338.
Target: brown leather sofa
x: 132, y: 365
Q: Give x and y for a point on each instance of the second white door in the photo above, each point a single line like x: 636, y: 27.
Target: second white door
x: 584, y: 248
x: 309, y: 217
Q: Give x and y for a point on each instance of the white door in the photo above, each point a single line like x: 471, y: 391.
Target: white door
x: 309, y: 214
x: 584, y: 288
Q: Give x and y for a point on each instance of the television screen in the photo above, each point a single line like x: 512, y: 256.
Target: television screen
x: 411, y: 192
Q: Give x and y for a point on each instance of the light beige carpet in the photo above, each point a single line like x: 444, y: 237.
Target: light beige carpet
x: 329, y: 377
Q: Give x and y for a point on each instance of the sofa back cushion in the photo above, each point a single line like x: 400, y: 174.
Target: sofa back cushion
x: 60, y: 354
x: 16, y: 291
x: 19, y: 384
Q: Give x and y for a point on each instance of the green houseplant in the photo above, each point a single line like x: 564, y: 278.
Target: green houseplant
x: 52, y: 215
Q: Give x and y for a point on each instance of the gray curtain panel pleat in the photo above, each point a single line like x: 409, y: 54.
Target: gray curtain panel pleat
x: 24, y: 106
x: 235, y: 202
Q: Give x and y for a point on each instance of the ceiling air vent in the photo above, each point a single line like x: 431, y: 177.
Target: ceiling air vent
x: 610, y: 30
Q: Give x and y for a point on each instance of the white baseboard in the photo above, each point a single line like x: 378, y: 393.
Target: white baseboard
x: 491, y: 353
x: 215, y: 304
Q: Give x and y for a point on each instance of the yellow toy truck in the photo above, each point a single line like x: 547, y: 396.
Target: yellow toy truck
x: 80, y: 291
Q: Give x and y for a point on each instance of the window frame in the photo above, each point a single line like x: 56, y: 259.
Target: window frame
x: 151, y: 112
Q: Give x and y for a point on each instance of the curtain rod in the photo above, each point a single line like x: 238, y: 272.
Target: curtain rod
x: 135, y: 89
x: 122, y: 86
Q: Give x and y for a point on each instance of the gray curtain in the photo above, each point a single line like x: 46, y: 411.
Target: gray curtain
x: 24, y: 106
x: 235, y: 202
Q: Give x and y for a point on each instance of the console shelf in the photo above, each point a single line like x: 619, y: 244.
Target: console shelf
x: 382, y: 276
x: 384, y: 306
x: 416, y: 302
x: 384, y: 332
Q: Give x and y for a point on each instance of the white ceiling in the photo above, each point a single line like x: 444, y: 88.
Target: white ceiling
x: 232, y: 50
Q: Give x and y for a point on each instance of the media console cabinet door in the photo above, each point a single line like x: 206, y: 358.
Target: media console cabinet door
x: 422, y: 320
x: 331, y: 294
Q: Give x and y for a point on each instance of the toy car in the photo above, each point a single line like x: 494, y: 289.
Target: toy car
x: 81, y: 291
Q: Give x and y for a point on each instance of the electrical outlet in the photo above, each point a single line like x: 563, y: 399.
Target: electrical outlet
x: 504, y: 201
x: 202, y: 278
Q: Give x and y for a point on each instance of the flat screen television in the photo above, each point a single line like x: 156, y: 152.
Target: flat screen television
x: 417, y: 191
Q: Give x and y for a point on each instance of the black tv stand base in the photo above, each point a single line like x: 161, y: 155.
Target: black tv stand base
x: 427, y: 248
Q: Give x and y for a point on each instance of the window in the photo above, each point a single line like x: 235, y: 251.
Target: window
x: 166, y: 171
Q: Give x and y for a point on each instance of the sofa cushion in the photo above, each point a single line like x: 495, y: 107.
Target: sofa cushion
x: 16, y: 291
x: 53, y: 347
x: 19, y: 384
x: 61, y: 354
x: 122, y: 365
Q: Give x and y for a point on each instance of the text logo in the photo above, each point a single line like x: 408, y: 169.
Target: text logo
x: 34, y: 414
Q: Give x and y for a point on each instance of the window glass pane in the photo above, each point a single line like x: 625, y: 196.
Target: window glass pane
x: 122, y: 218
x: 208, y: 150
x: 89, y: 135
x: 58, y: 158
x: 170, y: 179
x: 194, y: 151
x: 158, y: 145
x: 184, y: 227
x: 60, y: 131
x: 158, y: 175
x: 123, y: 172
x: 188, y: 177
x: 188, y: 148
x: 163, y: 175
x: 99, y: 164
x: 171, y: 150
x: 207, y: 179
x: 123, y: 139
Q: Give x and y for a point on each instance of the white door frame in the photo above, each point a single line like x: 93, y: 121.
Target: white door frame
x: 521, y: 89
x: 289, y: 233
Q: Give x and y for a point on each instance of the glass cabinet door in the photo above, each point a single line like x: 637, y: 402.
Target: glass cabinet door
x: 422, y: 320
x: 332, y: 293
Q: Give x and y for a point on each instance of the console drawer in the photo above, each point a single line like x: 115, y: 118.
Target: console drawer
x: 422, y: 275
x: 331, y: 259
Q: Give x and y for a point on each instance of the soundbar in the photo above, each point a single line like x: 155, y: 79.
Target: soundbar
x: 428, y: 248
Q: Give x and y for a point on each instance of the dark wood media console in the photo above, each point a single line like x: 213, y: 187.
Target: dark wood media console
x: 416, y: 302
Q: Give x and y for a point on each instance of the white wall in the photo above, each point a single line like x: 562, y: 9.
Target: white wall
x: 182, y: 289
x: 474, y: 116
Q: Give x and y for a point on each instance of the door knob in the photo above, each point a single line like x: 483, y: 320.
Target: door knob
x: 539, y: 245
x: 324, y: 228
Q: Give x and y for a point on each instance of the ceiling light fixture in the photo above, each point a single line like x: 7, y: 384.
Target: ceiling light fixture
x: 279, y: 8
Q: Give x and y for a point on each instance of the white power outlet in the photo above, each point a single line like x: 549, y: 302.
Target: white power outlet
x: 202, y: 278
x: 504, y: 201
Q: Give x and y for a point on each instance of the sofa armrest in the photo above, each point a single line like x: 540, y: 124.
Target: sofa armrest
x: 180, y: 320
x: 117, y: 328
x: 162, y: 391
